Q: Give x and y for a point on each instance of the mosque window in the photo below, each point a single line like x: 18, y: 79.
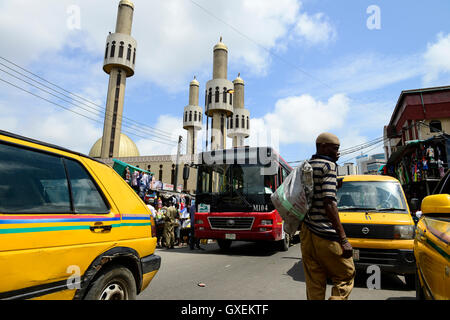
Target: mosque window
x: 237, y: 122
x: 243, y: 122
x: 224, y: 95
x: 209, y: 95
x: 200, y: 116
x: 172, y: 178
x: 222, y: 125
x: 106, y: 51
x: 160, y: 172
x: 190, y: 115
x: 134, y: 56
x: 129, y: 52
x: 231, y: 122
x: 248, y: 123
x: 195, y: 115
x: 121, y: 49
x: 217, y: 94
x: 113, y: 49
x: 231, y: 99
x: 185, y: 116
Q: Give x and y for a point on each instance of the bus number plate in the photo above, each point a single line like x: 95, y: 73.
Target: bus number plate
x: 230, y: 236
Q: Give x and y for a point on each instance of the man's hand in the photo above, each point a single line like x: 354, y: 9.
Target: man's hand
x: 347, y: 249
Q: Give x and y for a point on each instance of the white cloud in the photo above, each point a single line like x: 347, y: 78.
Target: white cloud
x: 175, y: 38
x: 315, y: 29
x: 437, y: 59
x: 300, y: 119
x: 165, y: 123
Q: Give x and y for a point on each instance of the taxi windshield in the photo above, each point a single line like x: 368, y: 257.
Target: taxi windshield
x: 385, y: 196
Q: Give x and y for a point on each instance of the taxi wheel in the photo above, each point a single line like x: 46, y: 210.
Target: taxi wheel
x: 115, y: 283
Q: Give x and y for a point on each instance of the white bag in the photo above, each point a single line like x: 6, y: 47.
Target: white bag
x: 293, y: 198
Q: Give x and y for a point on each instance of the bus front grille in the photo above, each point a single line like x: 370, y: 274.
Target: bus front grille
x: 231, y: 223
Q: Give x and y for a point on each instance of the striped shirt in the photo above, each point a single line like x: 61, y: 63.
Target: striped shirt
x: 324, y: 171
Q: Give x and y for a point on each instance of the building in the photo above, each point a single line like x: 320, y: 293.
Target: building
x: 119, y: 64
x: 417, y: 144
x: 418, y: 115
x: 347, y: 169
x: 224, y: 102
x: 375, y: 163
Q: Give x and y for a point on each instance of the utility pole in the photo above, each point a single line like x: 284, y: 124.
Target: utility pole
x: 180, y: 139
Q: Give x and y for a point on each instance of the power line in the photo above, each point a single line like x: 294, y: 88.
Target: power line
x: 78, y: 106
x: 83, y: 115
x: 260, y: 45
x: 153, y: 131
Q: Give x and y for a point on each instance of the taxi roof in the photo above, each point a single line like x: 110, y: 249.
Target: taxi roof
x: 368, y: 177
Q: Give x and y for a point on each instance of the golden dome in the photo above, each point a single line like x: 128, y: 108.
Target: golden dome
x: 238, y: 80
x: 220, y: 45
x: 126, y: 3
x: 195, y: 82
x: 127, y: 148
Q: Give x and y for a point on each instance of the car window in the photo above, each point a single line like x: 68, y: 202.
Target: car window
x: 379, y: 195
x: 32, y: 182
x: 86, y: 196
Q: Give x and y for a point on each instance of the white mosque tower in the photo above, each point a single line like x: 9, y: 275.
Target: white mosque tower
x: 119, y: 63
x: 219, y: 100
x: 192, y: 120
x: 239, y: 122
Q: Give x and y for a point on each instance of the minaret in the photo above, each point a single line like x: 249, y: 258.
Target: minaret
x: 192, y: 120
x: 239, y: 122
x: 119, y: 62
x: 219, y: 100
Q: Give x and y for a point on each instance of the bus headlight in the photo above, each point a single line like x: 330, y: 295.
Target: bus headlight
x: 404, y: 232
x: 266, y: 222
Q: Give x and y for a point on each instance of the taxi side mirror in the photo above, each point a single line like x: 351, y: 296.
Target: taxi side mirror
x: 439, y: 203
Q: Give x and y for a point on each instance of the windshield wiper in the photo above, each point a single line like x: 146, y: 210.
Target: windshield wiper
x: 391, y: 209
x: 356, y: 208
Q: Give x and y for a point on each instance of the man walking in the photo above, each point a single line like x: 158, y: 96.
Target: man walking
x: 326, y: 252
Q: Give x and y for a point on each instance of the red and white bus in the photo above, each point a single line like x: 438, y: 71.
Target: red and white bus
x: 233, y: 196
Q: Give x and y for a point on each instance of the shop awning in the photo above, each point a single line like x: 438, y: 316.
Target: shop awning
x: 120, y: 166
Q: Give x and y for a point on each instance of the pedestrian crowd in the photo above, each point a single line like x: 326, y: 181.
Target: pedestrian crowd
x: 174, y: 215
x: 174, y: 219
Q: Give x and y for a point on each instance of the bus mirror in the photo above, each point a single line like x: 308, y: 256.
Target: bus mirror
x: 185, y: 173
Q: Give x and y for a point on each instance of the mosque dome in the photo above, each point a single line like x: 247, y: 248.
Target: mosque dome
x: 127, y: 148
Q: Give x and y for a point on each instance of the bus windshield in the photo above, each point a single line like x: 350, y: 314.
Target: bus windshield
x: 371, y: 195
x: 235, y: 186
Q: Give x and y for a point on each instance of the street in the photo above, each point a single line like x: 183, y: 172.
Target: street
x: 249, y: 271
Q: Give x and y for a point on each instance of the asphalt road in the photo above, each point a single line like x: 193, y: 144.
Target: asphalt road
x: 249, y: 271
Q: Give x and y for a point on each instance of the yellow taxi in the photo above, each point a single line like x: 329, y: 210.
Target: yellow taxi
x: 432, y: 244
x: 376, y: 218
x: 70, y: 226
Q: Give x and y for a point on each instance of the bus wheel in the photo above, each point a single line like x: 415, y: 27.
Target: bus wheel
x: 224, y: 244
x: 284, y: 243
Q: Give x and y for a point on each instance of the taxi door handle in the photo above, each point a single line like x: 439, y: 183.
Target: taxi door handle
x: 100, y: 228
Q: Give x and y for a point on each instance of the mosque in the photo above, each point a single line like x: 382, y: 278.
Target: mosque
x: 225, y: 112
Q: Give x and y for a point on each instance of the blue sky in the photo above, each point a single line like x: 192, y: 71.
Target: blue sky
x: 309, y: 66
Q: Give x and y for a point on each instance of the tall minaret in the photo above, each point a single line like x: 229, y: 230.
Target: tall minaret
x: 239, y: 122
x: 120, y: 58
x: 219, y: 101
x: 192, y: 120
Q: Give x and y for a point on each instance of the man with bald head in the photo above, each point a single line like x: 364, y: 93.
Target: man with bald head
x: 326, y: 252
